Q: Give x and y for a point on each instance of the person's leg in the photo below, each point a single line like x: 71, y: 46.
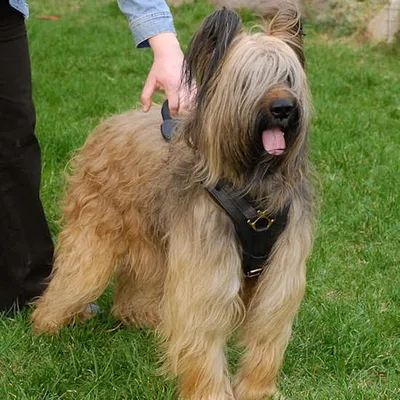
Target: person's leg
x: 26, y: 248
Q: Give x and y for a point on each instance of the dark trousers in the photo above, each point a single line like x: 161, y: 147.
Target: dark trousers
x: 26, y: 248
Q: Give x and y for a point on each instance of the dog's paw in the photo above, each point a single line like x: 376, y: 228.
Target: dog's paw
x: 248, y: 389
x: 42, y: 324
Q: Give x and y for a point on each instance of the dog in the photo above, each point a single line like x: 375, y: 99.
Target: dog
x: 143, y: 210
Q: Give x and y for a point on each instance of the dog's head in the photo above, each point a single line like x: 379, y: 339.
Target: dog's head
x: 252, y: 103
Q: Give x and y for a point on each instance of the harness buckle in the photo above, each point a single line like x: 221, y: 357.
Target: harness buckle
x: 266, y: 222
x: 254, y: 273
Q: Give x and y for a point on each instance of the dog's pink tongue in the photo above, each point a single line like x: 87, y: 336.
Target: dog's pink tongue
x: 273, y: 141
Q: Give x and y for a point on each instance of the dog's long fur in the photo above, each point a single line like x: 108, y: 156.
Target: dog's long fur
x: 136, y: 207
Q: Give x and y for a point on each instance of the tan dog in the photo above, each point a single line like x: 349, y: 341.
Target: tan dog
x: 137, y: 207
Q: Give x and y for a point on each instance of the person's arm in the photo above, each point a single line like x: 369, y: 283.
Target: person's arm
x: 152, y: 25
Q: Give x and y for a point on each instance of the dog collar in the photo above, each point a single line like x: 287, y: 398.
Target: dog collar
x: 256, y: 229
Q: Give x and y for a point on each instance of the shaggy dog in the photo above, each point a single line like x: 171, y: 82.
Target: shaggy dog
x: 142, y: 209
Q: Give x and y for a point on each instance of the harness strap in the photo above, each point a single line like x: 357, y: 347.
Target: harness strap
x: 168, y: 124
x: 256, y: 229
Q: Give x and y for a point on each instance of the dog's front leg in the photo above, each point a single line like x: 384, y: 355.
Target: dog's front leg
x: 275, y: 302
x: 201, y: 305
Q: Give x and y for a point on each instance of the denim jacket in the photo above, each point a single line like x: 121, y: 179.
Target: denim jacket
x: 146, y: 18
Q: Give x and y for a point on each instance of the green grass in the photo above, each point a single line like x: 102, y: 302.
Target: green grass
x: 346, y: 338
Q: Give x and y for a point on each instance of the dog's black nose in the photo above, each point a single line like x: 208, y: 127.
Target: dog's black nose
x: 281, y: 108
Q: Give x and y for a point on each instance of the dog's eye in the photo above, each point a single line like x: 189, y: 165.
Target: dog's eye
x: 289, y: 81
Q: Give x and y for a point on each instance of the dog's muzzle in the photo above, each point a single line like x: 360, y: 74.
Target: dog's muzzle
x: 277, y: 125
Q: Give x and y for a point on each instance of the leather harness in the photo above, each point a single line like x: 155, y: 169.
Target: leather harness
x: 257, y: 230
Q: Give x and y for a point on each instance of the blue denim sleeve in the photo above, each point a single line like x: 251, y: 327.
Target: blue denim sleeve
x: 21, y: 6
x: 147, y: 19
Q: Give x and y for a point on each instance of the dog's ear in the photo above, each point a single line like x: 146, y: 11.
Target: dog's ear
x: 207, y: 48
x: 284, y: 22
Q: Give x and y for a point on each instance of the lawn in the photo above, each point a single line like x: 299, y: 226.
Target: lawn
x: 347, y: 335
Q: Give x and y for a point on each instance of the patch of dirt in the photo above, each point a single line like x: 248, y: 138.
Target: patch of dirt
x: 350, y: 16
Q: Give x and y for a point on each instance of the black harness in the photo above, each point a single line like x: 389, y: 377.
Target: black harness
x: 256, y: 229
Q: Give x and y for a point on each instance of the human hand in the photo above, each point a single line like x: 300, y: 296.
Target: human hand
x: 165, y: 74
